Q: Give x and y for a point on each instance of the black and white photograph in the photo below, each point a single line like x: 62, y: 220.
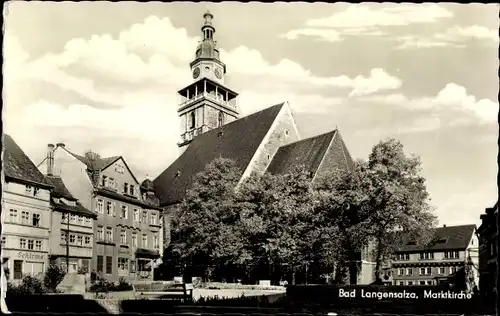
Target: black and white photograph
x: 251, y: 158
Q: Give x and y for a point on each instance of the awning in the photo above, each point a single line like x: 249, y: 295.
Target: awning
x: 147, y: 253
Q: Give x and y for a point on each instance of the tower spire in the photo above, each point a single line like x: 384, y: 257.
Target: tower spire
x: 208, y: 29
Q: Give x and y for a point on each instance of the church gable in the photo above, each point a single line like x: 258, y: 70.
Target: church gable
x: 308, y: 153
x: 282, y: 132
x: 336, y: 157
x: 238, y: 141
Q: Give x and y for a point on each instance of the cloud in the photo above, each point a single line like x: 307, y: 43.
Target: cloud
x: 363, y: 20
x: 452, y: 98
x: 456, y: 36
x: 360, y: 15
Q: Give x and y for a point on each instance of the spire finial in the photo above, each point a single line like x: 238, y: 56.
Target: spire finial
x: 207, y: 28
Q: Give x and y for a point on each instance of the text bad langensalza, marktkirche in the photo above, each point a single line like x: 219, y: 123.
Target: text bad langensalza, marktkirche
x: 428, y: 294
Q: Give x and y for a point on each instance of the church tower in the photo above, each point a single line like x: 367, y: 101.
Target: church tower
x: 206, y: 103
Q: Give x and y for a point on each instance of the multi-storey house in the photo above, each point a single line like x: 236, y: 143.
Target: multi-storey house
x: 127, y: 233
x: 451, y: 249
x: 25, y: 214
x: 488, y: 255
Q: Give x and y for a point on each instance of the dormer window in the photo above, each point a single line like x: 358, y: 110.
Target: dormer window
x: 125, y: 188
x: 132, y: 190
x: 104, y: 181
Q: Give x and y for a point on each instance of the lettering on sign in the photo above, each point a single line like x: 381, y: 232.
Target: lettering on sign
x: 30, y: 255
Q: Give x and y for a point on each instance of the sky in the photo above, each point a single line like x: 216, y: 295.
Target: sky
x: 104, y: 75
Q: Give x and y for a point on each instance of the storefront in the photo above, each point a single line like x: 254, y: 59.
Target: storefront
x: 21, y: 263
x: 76, y: 265
x: 145, y: 263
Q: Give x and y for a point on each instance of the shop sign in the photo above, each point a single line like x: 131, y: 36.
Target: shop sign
x: 30, y: 255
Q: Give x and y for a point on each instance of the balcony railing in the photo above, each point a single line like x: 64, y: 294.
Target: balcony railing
x: 218, y: 99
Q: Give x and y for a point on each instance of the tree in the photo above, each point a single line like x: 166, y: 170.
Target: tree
x: 277, y: 216
x: 399, y: 200
x: 343, y: 216
x: 205, y: 226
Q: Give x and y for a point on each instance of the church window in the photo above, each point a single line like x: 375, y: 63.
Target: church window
x: 221, y: 118
x: 286, y: 132
x: 192, y: 120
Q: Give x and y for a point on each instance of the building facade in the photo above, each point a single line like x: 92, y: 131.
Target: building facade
x: 488, y: 255
x: 71, y: 230
x: 26, y: 214
x: 127, y: 230
x: 452, y: 249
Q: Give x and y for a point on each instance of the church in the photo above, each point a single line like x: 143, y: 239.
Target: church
x: 211, y: 127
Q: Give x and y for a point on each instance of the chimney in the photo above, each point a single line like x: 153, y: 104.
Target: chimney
x: 50, y: 159
x: 61, y: 145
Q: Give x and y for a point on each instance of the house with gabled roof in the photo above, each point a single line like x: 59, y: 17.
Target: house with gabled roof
x: 452, y: 250
x: 26, y: 213
x: 127, y: 230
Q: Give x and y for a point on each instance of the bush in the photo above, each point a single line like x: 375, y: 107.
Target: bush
x: 53, y: 276
x: 30, y: 285
x: 103, y: 286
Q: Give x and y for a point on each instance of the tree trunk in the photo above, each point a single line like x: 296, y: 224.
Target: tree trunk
x: 378, y: 260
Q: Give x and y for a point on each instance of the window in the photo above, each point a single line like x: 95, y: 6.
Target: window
x: 221, y: 118
x: 109, y: 265
x: 4, y: 239
x: 36, y: 220
x: 88, y: 221
x: 156, y: 244
x: 422, y: 282
x: 18, y: 269
x: 87, y: 240
x: 451, y: 255
x: 401, y: 282
x: 124, y: 213
x: 112, y: 183
x: 109, y: 208
x: 72, y: 218
x: 38, y: 245
x: 144, y: 217
x: 119, y: 169
x: 100, y: 206
x: 409, y: 271
x: 132, y: 266
x: 79, y: 240
x: 145, y: 241
x: 429, y: 282
x: 153, y: 218
x: 64, y: 217
x: 109, y: 234
x: 100, y: 233
x: 286, y: 132
x: 136, y: 215
x: 100, y: 264
x: 35, y: 191
x: 28, y: 189
x: 31, y: 244
x: 104, y: 181
x: 123, y: 237
x: 422, y: 271
x: 403, y: 256
x: 134, y: 239
x: 72, y: 238
x: 64, y: 237
x: 428, y: 271
x: 13, y: 215
x: 410, y: 282
x: 192, y: 120
x: 123, y: 265
x: 426, y: 256
x: 441, y: 270
x: 25, y: 217
x: 80, y: 220
x: 125, y: 188
x: 22, y: 243
x: 453, y: 270
x: 132, y: 190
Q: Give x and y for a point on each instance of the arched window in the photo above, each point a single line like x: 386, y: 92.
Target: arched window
x: 192, y: 119
x: 221, y: 118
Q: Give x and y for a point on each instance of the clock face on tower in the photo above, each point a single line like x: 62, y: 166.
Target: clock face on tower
x: 196, y: 72
x: 218, y: 73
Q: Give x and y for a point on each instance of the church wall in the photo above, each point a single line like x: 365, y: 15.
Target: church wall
x: 275, y: 139
x: 334, y: 158
x: 168, y: 211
